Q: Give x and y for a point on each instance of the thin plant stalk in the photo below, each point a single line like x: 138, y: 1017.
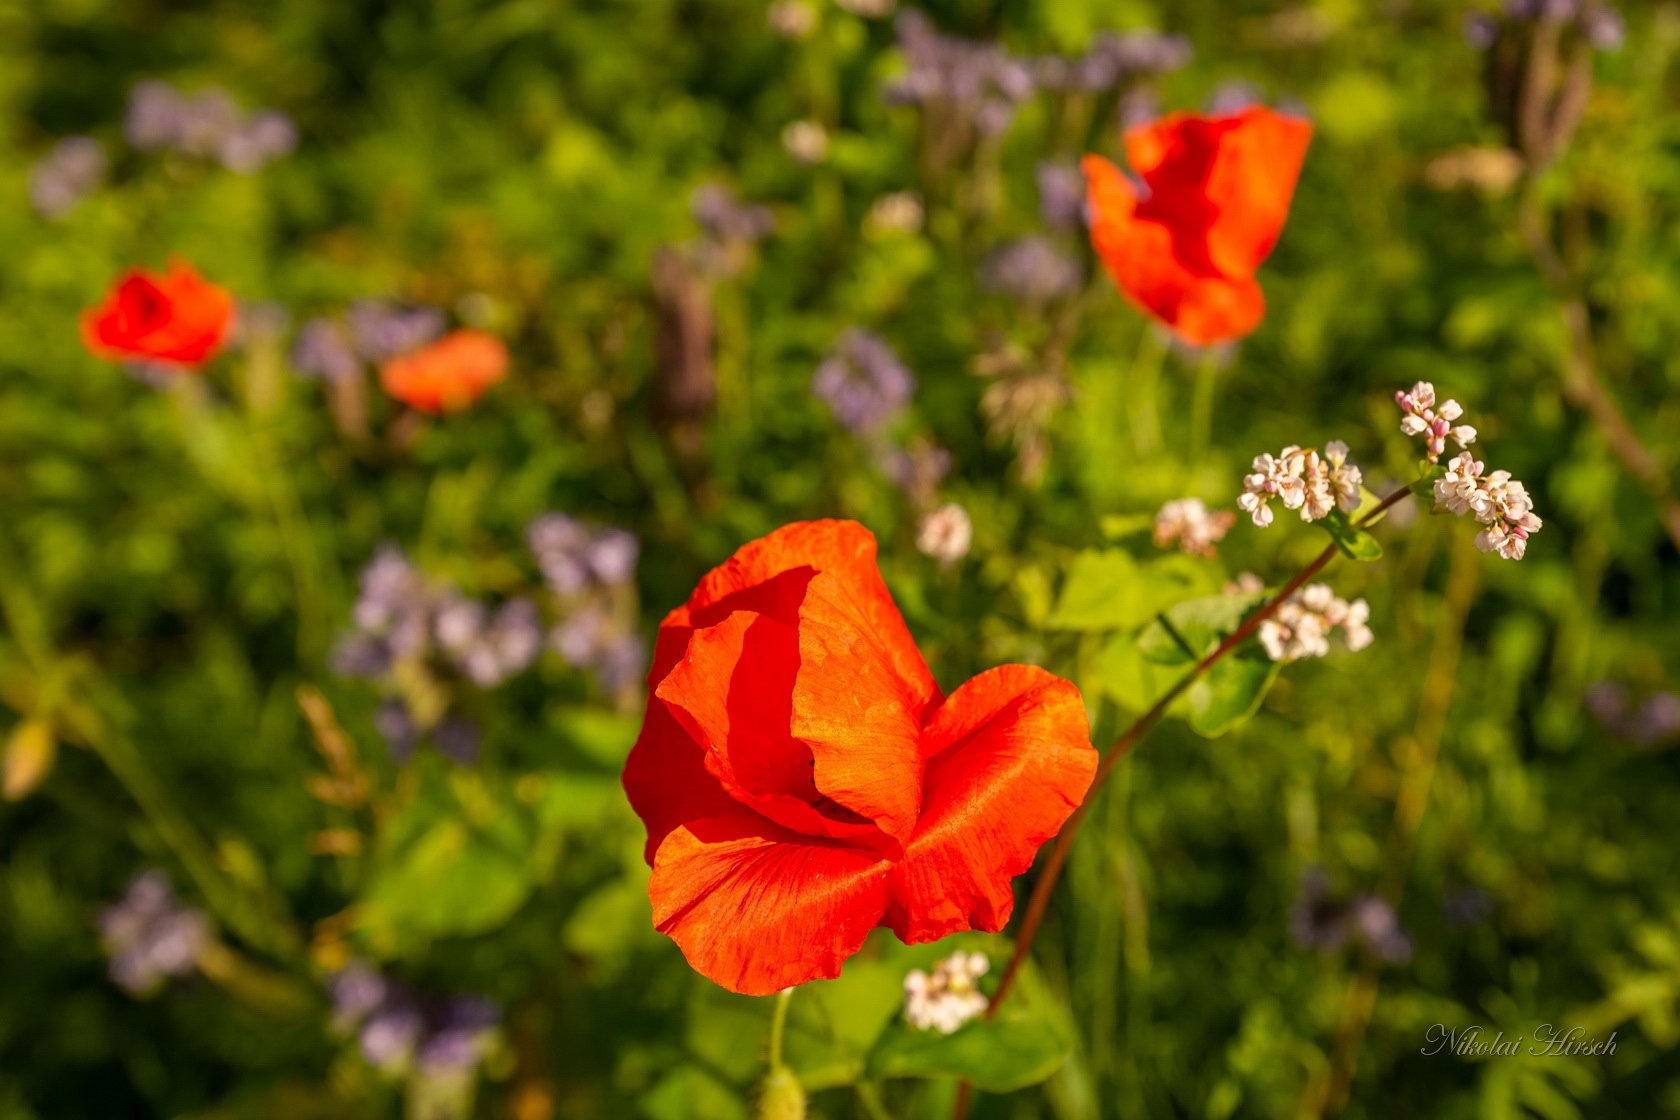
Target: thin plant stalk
x: 1039, y: 901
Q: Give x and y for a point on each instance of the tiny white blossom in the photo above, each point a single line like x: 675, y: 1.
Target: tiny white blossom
x: 1188, y: 523
x: 1303, y: 624
x: 1304, y: 480
x: 1455, y: 490
x: 945, y: 534
x: 1498, y: 501
x: 948, y: 997
x: 1345, y: 477
x: 1246, y: 583
x: 1422, y: 418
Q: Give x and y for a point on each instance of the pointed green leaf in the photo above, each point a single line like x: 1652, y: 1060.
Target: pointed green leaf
x: 1187, y: 632
x: 1231, y: 692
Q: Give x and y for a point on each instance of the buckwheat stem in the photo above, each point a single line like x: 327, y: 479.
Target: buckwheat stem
x: 1039, y: 901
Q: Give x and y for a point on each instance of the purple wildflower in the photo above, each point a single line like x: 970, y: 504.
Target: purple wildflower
x: 979, y: 81
x: 1111, y: 61
x: 269, y: 135
x: 356, y: 990
x: 1378, y: 928
x: 1658, y: 719
x: 395, y: 602
x: 862, y: 381
x: 1317, y: 921
x: 1468, y: 906
x: 396, y: 725
x: 1481, y: 30
x: 1324, y: 922
x: 392, y: 1030
x: 323, y: 351
x: 589, y: 639
x: 1032, y: 270
x: 208, y: 124
x: 458, y: 1033
x: 573, y: 556
x: 726, y: 218
x: 458, y: 738
x: 150, y: 936
x: 396, y: 1025
x: 381, y: 330
x: 65, y: 175
x: 1232, y: 97
x: 1061, y: 195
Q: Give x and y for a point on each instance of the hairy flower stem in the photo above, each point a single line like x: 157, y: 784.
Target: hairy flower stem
x: 778, y: 1027
x: 1039, y: 901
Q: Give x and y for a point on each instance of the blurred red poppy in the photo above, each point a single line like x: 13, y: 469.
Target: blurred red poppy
x: 177, y: 317
x: 446, y: 375
x: 1215, y: 193
x: 803, y: 779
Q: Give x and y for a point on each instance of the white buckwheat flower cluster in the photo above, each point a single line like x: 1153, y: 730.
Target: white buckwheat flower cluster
x: 1435, y: 424
x: 949, y: 997
x: 1188, y: 523
x: 1493, y: 498
x: 1303, y: 624
x: 1302, y: 479
x: 1496, y: 500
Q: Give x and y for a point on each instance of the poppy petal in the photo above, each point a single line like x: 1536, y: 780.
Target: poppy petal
x: 756, y: 908
x: 1009, y: 758
x: 731, y: 692
x: 1251, y: 185
x: 770, y: 575
x: 861, y: 717
x: 665, y: 777
x: 1142, y: 258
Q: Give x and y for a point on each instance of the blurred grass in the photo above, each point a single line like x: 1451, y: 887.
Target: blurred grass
x: 192, y: 560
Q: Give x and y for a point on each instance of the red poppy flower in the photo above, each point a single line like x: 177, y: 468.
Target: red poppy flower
x: 179, y: 317
x: 448, y: 374
x: 1215, y: 194
x: 803, y: 780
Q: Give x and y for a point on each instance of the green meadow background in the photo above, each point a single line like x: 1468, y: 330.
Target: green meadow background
x: 176, y: 566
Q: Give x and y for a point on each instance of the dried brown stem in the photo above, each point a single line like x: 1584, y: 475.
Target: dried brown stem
x: 1582, y: 385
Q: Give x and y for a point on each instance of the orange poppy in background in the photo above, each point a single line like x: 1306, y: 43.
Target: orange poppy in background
x: 446, y: 375
x: 803, y: 779
x: 1216, y: 191
x: 177, y: 317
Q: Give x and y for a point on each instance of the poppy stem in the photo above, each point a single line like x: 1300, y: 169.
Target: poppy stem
x: 1201, y: 406
x: 778, y: 1027
x: 1039, y: 901
x: 1143, y: 409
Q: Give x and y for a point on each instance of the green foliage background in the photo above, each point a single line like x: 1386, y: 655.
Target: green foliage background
x: 170, y: 577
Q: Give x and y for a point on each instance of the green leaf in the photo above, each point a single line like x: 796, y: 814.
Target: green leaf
x: 1189, y: 631
x: 1116, y: 525
x: 1098, y: 592
x: 1127, y: 677
x: 1350, y: 538
x: 1230, y: 692
x: 1106, y: 589
x: 1000, y: 1056
x: 1027, y: 1043
x: 457, y: 859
